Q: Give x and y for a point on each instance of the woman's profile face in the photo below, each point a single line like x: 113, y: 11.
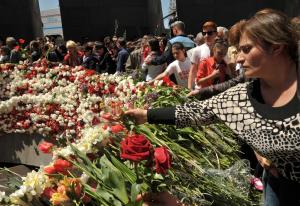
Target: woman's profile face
x: 256, y: 61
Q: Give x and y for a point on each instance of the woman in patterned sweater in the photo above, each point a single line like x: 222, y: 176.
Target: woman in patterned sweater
x: 264, y: 112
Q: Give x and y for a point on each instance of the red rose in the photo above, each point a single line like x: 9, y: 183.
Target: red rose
x: 50, y: 170
x: 45, y: 147
x: 135, y: 148
x: 117, y: 128
x: 162, y: 160
x: 61, y: 165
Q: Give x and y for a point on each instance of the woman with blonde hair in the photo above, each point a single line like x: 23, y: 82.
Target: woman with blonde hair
x: 73, y: 57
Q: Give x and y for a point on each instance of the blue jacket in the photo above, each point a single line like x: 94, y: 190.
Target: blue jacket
x: 121, y: 59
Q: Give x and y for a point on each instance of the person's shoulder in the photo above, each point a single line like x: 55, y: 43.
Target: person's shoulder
x: 203, y: 46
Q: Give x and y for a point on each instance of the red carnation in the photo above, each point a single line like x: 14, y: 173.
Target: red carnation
x: 61, y: 165
x: 45, y: 147
x: 162, y: 160
x: 89, y: 72
x: 117, y: 128
x: 135, y: 148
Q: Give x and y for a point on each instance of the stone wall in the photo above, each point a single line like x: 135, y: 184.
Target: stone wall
x: 96, y: 19
x: 20, y: 19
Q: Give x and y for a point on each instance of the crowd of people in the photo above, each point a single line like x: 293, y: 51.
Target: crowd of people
x: 246, y: 76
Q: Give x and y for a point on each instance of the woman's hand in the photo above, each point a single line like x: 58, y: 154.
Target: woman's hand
x: 193, y: 93
x: 159, y: 199
x: 140, y: 115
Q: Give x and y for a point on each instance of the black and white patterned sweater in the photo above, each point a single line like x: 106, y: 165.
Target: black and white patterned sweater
x: 272, y: 132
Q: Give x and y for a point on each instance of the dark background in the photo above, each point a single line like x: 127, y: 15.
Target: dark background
x: 227, y: 12
x: 96, y: 18
x: 20, y: 19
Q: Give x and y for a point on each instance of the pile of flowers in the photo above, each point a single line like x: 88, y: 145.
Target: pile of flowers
x: 101, y: 157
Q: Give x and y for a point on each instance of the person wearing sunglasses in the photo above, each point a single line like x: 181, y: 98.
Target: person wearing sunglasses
x: 209, y: 32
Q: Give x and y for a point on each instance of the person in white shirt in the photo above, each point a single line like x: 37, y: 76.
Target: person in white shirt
x: 209, y: 31
x: 180, y: 67
x: 153, y: 70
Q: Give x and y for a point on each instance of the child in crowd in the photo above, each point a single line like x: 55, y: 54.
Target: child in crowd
x: 213, y: 69
x: 180, y: 67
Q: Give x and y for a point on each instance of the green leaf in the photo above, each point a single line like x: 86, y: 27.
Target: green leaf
x: 127, y: 172
x: 135, y: 190
x: 113, y: 178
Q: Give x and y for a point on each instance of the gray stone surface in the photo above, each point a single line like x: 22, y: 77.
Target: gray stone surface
x: 22, y: 149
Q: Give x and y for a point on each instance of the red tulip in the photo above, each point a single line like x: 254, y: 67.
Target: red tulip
x: 61, y: 165
x: 45, y: 147
x: 50, y: 170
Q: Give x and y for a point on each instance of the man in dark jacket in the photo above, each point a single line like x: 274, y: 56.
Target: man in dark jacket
x: 122, y: 55
x: 178, y: 28
x: 89, y: 60
x: 105, y: 62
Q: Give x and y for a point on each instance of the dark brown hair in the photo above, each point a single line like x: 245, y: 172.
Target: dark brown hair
x: 269, y: 27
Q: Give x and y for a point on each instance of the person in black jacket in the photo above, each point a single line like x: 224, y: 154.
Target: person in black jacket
x: 105, y: 62
x: 89, y: 61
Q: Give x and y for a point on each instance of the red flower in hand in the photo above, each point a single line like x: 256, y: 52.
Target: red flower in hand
x: 117, y: 128
x: 135, y: 148
x: 61, y: 165
x: 45, y: 147
x: 162, y: 160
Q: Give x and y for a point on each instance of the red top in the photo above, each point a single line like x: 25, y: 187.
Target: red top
x: 73, y: 60
x: 206, y: 67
